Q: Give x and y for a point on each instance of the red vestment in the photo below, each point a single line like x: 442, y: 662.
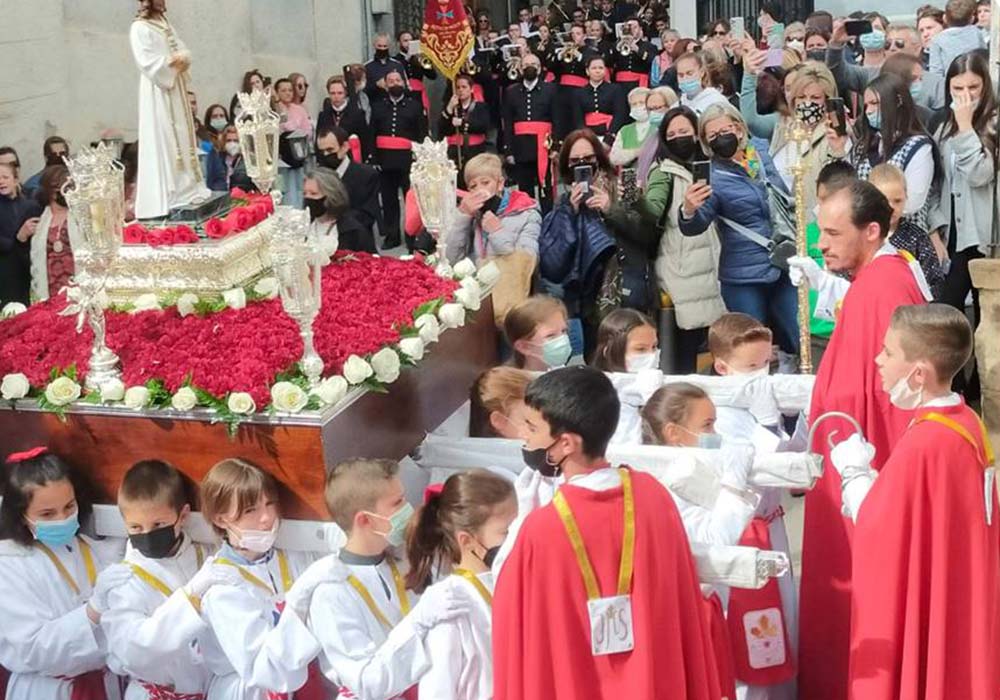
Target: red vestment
x: 926, y: 620
x: 847, y: 381
x: 541, y: 629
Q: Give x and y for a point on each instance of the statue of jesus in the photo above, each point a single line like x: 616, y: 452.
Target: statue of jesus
x: 169, y: 173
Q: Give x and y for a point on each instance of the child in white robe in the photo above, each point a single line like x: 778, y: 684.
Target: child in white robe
x: 372, y: 630
x: 153, y: 618
x: 50, y: 604
x: 626, y: 342
x: 460, y: 529
x: 741, y: 345
x: 255, y: 649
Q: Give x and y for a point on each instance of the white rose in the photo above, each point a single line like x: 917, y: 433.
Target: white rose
x: 386, y: 365
x: 467, y: 298
x: 184, y: 400
x: 235, y: 298
x: 471, y: 284
x: 356, y: 370
x: 137, y: 397
x: 145, y: 302
x: 185, y: 303
x: 12, y: 309
x: 452, y: 315
x: 331, y: 390
x: 444, y: 270
x: 240, y: 402
x: 464, y: 268
x: 62, y: 391
x: 112, y: 390
x: 267, y: 287
x: 412, y: 348
x: 288, y: 397
x: 429, y: 328
x: 488, y: 274
x: 15, y: 386
x: 406, y: 257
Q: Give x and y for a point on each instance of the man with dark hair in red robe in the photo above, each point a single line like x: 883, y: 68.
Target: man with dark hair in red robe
x: 599, y: 597
x: 925, y: 623
x: 853, y: 221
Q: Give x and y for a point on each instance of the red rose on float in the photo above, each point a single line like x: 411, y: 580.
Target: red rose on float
x: 217, y: 228
x: 158, y: 237
x: 238, y: 193
x: 134, y: 234
x: 184, y: 234
x: 240, y: 219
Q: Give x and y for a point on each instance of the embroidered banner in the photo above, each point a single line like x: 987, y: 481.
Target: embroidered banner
x: 446, y: 38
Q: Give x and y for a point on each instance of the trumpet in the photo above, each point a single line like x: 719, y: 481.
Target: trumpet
x: 514, y: 68
x: 569, y: 53
x: 424, y: 61
x: 626, y: 45
x: 470, y: 67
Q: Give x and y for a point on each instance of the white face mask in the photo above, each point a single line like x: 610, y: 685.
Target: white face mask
x: 639, y: 114
x: 901, y: 395
x: 640, y: 361
x: 759, y: 372
x: 257, y: 541
x: 233, y: 148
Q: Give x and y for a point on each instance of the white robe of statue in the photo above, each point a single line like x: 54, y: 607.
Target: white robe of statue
x: 169, y: 172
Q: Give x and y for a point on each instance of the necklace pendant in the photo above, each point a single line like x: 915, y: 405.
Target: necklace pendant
x: 57, y: 246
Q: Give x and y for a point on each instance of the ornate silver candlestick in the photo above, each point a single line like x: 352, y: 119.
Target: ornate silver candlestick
x: 95, y: 197
x: 257, y: 126
x: 298, y: 264
x: 433, y: 177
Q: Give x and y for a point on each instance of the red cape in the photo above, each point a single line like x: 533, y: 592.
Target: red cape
x: 926, y: 620
x: 541, y: 633
x: 847, y: 381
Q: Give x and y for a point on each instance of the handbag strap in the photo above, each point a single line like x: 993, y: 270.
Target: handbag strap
x: 751, y: 235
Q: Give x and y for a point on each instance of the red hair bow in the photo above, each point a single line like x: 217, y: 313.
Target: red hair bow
x: 18, y: 457
x: 432, y: 491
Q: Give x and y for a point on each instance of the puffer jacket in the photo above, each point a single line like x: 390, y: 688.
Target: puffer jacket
x: 520, y: 221
x: 740, y: 198
x: 687, y: 267
x: 573, y: 250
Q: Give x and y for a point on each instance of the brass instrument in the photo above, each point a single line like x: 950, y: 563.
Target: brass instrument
x: 569, y: 53
x: 470, y: 67
x: 627, y: 45
x: 424, y: 61
x: 514, y: 68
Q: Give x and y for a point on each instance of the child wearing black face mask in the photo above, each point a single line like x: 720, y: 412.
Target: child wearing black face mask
x: 153, y: 614
x: 459, y: 530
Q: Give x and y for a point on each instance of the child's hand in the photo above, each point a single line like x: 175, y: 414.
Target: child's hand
x: 472, y: 202
x: 111, y: 578
x: 491, y: 222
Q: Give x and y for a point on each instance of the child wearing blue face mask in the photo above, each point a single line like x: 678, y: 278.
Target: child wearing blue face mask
x: 50, y: 639
x: 538, y: 331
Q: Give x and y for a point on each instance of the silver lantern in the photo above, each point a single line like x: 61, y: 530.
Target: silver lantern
x: 433, y: 178
x: 258, y: 128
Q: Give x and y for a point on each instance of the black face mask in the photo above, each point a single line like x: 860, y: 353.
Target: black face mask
x: 156, y: 544
x: 539, y: 460
x: 396, y: 91
x: 54, y: 159
x: 725, y: 145
x: 530, y: 73
x: 60, y: 200
x: 683, y: 148
x: 490, y: 556
x: 492, y: 204
x: 329, y: 160
x: 316, y: 207
x: 381, y: 54
x: 816, y: 55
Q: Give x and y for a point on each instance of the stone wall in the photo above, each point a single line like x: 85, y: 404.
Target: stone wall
x: 67, y: 67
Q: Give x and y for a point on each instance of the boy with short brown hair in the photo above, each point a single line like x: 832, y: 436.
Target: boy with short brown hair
x: 926, y: 555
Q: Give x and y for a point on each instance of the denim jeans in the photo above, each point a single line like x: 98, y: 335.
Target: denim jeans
x: 774, y: 304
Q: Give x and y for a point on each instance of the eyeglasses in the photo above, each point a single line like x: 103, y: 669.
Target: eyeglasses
x: 898, y: 43
x: 584, y: 160
x: 719, y: 32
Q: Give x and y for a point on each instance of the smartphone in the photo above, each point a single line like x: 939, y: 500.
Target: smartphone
x: 583, y: 174
x: 738, y: 28
x: 836, y: 115
x: 857, y: 27
x: 702, y: 170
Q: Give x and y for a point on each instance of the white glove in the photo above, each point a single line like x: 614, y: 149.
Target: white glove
x: 803, y: 267
x: 737, y: 461
x: 299, y: 596
x: 109, y: 579
x: 438, y: 604
x: 854, y: 454
x: 212, y: 575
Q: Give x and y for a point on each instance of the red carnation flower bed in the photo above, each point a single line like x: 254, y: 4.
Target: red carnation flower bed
x: 365, y: 299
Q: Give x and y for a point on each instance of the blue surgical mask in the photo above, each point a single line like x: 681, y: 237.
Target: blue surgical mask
x: 915, y: 88
x: 873, y: 41
x: 709, y: 441
x: 397, y: 525
x: 56, y: 533
x: 874, y: 119
x: 690, y: 86
x: 556, y: 351
x: 656, y: 118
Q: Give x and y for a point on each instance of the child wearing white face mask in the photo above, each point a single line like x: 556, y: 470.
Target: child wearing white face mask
x: 255, y: 649
x: 742, y: 345
x: 626, y: 342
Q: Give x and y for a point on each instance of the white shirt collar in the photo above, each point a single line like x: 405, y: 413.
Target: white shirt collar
x: 946, y: 401
x: 601, y: 479
x: 342, y: 168
x: 530, y: 86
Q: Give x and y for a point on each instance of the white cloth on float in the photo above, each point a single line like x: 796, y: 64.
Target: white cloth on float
x: 767, y: 398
